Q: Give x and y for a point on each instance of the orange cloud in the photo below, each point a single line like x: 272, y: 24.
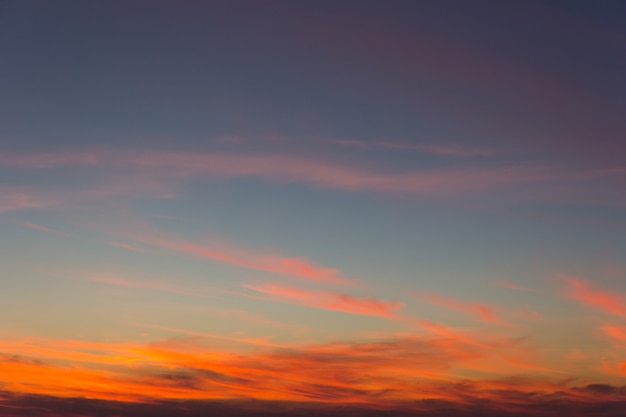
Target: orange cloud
x: 377, y: 372
x: 608, y: 302
x: 330, y: 300
x: 615, y: 331
x: 236, y: 255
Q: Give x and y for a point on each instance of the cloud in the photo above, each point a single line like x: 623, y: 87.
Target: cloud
x: 482, y: 311
x: 159, y: 173
x: 215, y: 250
x: 148, y: 285
x: 325, y: 174
x: 330, y: 300
x: 377, y: 372
x: 127, y: 246
x: 448, y: 150
x: 186, y: 377
x: 19, y: 198
x: 41, y: 228
x: 330, y: 175
x: 615, y: 331
x: 231, y: 254
x: 609, y: 302
x: 512, y: 286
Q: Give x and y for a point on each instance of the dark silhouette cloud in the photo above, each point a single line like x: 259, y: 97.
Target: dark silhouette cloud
x: 599, y: 400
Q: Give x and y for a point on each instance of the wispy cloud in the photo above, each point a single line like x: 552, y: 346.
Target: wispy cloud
x: 484, y: 312
x: 330, y: 300
x: 616, y: 332
x: 383, y: 372
x: 19, y: 198
x: 149, y: 285
x: 371, y: 306
x: 513, y: 286
x: 284, y: 169
x: 127, y: 246
x: 45, y: 229
x: 609, y: 302
x: 330, y: 175
x: 41, y: 228
x: 235, y: 255
x: 158, y: 174
x: 445, y: 150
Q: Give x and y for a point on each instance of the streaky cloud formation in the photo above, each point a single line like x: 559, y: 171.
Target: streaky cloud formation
x: 21, y: 198
x: 158, y: 173
x: 323, y: 209
x: 228, y: 253
x: 609, y: 302
x: 617, y: 332
x: 330, y: 300
x: 288, y: 169
x: 482, y: 311
x: 408, y: 375
x: 184, y: 369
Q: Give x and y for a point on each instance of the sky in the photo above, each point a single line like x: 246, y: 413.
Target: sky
x: 312, y: 208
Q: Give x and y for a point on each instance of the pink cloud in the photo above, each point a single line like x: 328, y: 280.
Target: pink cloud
x: 15, y: 199
x: 41, y: 228
x: 482, y: 311
x: 615, y: 331
x: 236, y: 255
x: 159, y: 174
x: 608, y: 302
x: 153, y: 167
x: 330, y: 300
x: 512, y: 286
x: 329, y: 175
x: 127, y: 246
x: 148, y: 285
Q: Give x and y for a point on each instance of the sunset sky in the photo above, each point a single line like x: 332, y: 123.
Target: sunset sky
x: 329, y: 207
